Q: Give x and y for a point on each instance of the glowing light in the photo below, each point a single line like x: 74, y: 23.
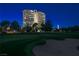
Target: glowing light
x: 35, y: 18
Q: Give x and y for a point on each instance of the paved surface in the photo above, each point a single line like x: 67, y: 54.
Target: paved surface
x: 68, y: 47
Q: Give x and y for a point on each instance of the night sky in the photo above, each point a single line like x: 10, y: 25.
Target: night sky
x: 62, y: 14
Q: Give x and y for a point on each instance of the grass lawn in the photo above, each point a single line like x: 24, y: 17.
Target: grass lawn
x: 21, y: 44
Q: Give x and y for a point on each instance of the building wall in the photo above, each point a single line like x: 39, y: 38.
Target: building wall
x: 28, y: 17
x: 33, y: 16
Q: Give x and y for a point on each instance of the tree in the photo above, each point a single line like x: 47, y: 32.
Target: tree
x: 0, y: 29
x: 34, y: 27
x: 23, y: 29
x: 28, y: 28
x: 43, y: 27
x: 48, y: 26
x: 4, y: 24
x: 15, y: 25
x: 72, y: 29
x: 75, y: 28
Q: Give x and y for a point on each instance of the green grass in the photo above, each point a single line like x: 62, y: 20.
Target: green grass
x: 20, y: 47
x: 22, y: 44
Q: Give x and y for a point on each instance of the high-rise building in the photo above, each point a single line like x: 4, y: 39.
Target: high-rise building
x: 58, y: 27
x: 33, y: 16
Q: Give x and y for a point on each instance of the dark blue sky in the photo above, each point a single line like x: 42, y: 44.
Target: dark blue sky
x: 62, y: 14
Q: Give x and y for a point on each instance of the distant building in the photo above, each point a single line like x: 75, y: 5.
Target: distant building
x: 58, y: 27
x: 33, y: 16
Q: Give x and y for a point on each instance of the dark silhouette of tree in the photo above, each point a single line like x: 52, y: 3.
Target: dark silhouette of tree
x: 15, y: 25
x: 0, y: 28
x: 48, y: 26
x: 43, y: 27
x: 35, y: 24
x: 23, y: 29
x: 4, y: 24
x: 28, y: 29
x: 71, y: 29
x: 34, y: 27
x: 75, y: 28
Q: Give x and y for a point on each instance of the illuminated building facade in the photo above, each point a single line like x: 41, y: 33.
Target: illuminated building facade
x: 33, y: 16
x: 58, y: 27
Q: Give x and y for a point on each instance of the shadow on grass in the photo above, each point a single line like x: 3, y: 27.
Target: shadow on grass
x: 19, y: 47
x: 22, y: 44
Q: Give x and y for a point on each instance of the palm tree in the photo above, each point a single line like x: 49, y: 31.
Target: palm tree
x: 34, y: 27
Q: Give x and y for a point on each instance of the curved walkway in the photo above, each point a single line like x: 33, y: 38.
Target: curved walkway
x: 67, y: 47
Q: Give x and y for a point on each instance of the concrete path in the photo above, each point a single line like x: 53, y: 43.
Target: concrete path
x: 68, y: 47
